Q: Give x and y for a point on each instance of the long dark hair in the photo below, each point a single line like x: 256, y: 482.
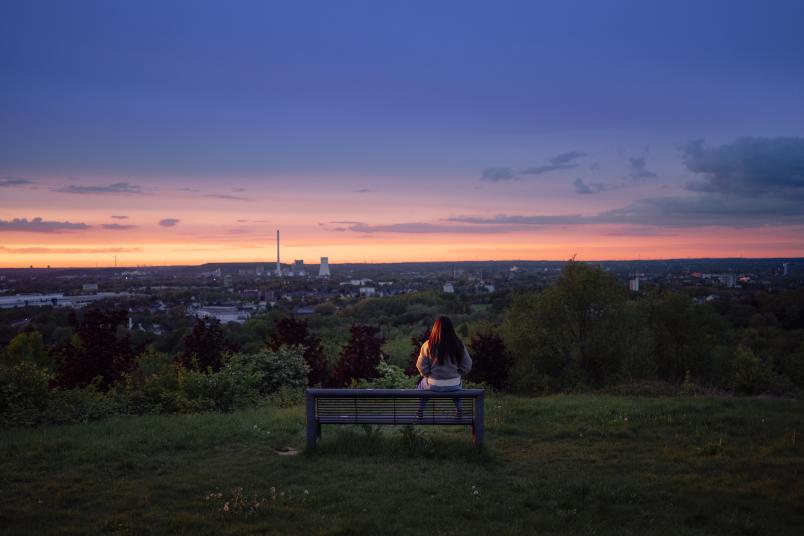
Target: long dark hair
x: 444, y: 342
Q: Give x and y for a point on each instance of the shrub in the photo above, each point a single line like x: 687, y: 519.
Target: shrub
x: 285, y: 367
x: 231, y: 387
x: 390, y: 377
x: 751, y: 375
x: 23, y: 394
x: 81, y: 405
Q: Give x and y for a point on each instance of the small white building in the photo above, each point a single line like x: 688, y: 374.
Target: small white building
x: 368, y: 291
x: 448, y: 288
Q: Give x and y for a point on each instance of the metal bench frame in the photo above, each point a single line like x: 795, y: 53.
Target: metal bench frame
x: 392, y: 413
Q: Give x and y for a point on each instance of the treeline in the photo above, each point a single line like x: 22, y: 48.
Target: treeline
x: 584, y: 332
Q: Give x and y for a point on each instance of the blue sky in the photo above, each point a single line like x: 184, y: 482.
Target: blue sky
x: 371, y: 97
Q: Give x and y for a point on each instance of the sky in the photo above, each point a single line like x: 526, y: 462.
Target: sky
x: 186, y: 132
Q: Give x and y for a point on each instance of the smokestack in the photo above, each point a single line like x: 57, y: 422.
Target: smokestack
x: 278, y: 266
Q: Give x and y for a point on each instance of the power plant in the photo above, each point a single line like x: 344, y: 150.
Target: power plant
x: 323, y: 268
x: 278, y: 265
x: 297, y: 268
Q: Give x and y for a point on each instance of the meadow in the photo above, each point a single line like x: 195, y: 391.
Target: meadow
x: 561, y: 464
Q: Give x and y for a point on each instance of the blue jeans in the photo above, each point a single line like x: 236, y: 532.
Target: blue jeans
x: 424, y: 386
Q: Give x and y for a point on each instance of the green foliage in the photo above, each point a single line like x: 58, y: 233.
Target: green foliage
x: 390, y: 377
x: 751, y: 375
x: 81, y: 405
x: 27, y: 347
x: 233, y: 386
x: 569, y: 333
x: 284, y: 367
x: 23, y: 394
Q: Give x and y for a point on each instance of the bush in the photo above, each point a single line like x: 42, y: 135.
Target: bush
x: 390, y: 377
x: 23, y: 394
x: 285, y: 367
x: 81, y: 405
x: 751, y: 375
x: 231, y: 387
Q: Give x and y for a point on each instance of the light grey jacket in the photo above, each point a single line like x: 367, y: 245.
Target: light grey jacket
x: 446, y: 369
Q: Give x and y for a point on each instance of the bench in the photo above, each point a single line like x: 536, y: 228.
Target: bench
x: 394, y: 406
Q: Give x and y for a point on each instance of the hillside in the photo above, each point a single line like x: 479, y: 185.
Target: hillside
x: 571, y: 464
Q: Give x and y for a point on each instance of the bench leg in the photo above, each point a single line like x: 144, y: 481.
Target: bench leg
x: 313, y: 427
x: 477, y: 423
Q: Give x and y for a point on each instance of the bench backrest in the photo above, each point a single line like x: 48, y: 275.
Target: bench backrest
x: 394, y: 406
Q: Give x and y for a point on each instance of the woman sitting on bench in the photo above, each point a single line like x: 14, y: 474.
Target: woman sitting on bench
x: 443, y: 359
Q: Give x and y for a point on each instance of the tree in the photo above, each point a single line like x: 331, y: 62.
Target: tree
x: 99, y: 348
x: 571, y: 332
x: 291, y: 332
x: 684, y: 336
x: 360, y: 357
x: 491, y: 362
x: 27, y: 347
x: 204, y: 346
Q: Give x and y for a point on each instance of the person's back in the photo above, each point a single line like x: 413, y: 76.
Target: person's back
x: 443, y: 358
x: 444, y: 369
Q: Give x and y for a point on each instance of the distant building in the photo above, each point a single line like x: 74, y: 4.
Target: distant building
x: 367, y: 291
x: 227, y: 281
x: 448, y: 288
x: 89, y: 287
x: 787, y: 269
x: 633, y: 285
x: 224, y: 314
x: 323, y: 268
x: 298, y: 268
x: 727, y: 280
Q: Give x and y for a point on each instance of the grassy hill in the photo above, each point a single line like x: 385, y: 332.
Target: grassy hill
x: 554, y: 465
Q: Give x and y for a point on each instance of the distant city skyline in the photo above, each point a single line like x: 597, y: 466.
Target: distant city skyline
x: 186, y: 133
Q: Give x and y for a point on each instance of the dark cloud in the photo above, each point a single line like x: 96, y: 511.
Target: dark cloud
x: 168, y: 222
x: 638, y: 169
x: 226, y: 197
x: 38, y: 225
x: 748, y: 167
x: 581, y: 187
x: 506, y: 219
x: 421, y: 228
x: 123, y: 188
x: 691, y: 211
x: 563, y: 158
x: 117, y: 226
x: 555, y: 163
x: 64, y: 251
x: 497, y: 174
x: 592, y: 188
x: 191, y: 190
x: 8, y: 182
x: 362, y: 191
x: 538, y: 170
x: 119, y: 217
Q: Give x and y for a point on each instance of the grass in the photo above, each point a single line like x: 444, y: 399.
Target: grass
x: 553, y: 465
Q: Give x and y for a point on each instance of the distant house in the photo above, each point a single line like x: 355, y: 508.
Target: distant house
x: 223, y: 313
